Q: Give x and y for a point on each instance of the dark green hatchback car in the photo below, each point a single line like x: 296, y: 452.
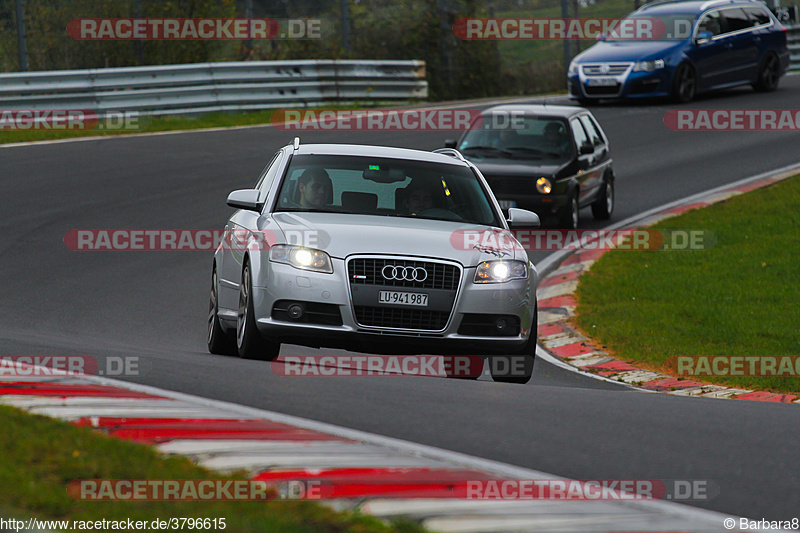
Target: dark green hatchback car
x: 552, y: 160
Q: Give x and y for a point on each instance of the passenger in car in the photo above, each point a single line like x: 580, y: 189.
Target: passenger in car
x: 419, y: 198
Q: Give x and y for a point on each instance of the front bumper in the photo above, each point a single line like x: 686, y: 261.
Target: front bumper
x: 629, y: 84
x: 543, y: 205
x: 515, y: 298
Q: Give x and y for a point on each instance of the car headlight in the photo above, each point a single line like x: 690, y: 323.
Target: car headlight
x: 573, y: 67
x: 301, y: 257
x: 500, y: 271
x: 544, y: 186
x: 648, y: 66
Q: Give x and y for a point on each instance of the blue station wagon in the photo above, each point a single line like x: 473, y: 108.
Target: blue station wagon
x: 701, y: 46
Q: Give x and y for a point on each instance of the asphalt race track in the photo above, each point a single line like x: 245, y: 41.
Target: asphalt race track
x: 153, y: 305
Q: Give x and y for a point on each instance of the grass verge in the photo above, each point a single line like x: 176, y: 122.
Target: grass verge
x: 39, y: 456
x: 739, y: 298
x: 154, y: 124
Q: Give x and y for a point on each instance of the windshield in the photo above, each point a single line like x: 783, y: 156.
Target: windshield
x: 647, y: 26
x: 529, y: 137
x: 362, y: 185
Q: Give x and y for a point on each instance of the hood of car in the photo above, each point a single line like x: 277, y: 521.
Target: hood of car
x: 627, y: 51
x: 515, y: 168
x: 341, y: 235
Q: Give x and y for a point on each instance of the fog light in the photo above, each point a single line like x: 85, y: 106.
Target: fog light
x: 501, y: 325
x: 295, y: 311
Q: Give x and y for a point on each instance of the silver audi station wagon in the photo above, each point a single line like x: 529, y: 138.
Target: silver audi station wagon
x: 378, y: 250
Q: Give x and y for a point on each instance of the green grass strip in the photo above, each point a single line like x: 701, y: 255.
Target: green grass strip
x: 741, y: 297
x: 39, y: 456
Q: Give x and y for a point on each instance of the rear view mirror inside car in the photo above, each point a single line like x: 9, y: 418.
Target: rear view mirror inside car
x: 382, y: 174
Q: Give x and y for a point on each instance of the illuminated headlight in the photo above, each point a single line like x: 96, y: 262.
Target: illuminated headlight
x: 648, y: 66
x: 500, y: 271
x: 573, y: 67
x: 302, y: 258
x: 544, y: 186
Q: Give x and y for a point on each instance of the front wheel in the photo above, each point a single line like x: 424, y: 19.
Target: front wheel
x: 604, y: 205
x: 570, y: 213
x: 250, y: 343
x: 685, y: 86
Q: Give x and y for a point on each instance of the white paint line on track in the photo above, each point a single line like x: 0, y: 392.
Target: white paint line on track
x: 706, y: 520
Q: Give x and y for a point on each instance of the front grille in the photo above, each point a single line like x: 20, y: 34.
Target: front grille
x: 389, y: 317
x: 515, y: 185
x: 614, y: 69
x: 599, y: 91
x: 367, y: 271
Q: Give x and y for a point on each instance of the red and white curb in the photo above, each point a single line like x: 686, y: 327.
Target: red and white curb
x: 557, y: 303
x: 382, y: 476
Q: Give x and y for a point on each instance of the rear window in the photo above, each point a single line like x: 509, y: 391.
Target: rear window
x: 758, y: 15
x: 737, y: 20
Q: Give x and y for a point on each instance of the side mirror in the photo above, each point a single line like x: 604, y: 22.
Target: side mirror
x: 586, y: 148
x: 450, y: 143
x: 521, y: 218
x: 704, y: 37
x: 245, y: 199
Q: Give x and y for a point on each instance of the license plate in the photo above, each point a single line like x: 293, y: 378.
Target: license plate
x: 402, y: 298
x: 505, y: 204
x: 601, y: 82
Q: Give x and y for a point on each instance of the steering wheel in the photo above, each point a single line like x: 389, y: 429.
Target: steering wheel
x: 438, y: 212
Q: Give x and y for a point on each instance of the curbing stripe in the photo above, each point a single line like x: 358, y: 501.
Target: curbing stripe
x: 351, y: 449
x: 561, y: 275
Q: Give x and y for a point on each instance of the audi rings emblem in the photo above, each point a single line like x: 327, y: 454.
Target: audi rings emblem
x: 401, y: 273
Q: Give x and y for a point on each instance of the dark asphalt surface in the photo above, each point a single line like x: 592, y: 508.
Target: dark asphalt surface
x: 153, y: 305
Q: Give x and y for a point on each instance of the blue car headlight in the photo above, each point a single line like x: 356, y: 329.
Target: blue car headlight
x: 500, y: 271
x: 648, y: 66
x: 573, y: 67
x: 301, y: 257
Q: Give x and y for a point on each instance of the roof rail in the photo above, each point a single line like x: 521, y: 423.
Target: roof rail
x: 452, y: 152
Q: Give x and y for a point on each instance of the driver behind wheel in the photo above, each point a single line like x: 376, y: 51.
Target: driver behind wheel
x: 419, y: 199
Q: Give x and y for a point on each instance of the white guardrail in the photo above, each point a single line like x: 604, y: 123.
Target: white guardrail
x: 206, y: 87
x: 793, y: 38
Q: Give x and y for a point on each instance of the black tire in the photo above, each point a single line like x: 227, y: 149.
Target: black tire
x: 500, y: 366
x: 604, y: 205
x: 219, y: 342
x: 569, y: 215
x: 585, y: 102
x: 249, y: 341
x: 769, y: 74
x: 684, y: 88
